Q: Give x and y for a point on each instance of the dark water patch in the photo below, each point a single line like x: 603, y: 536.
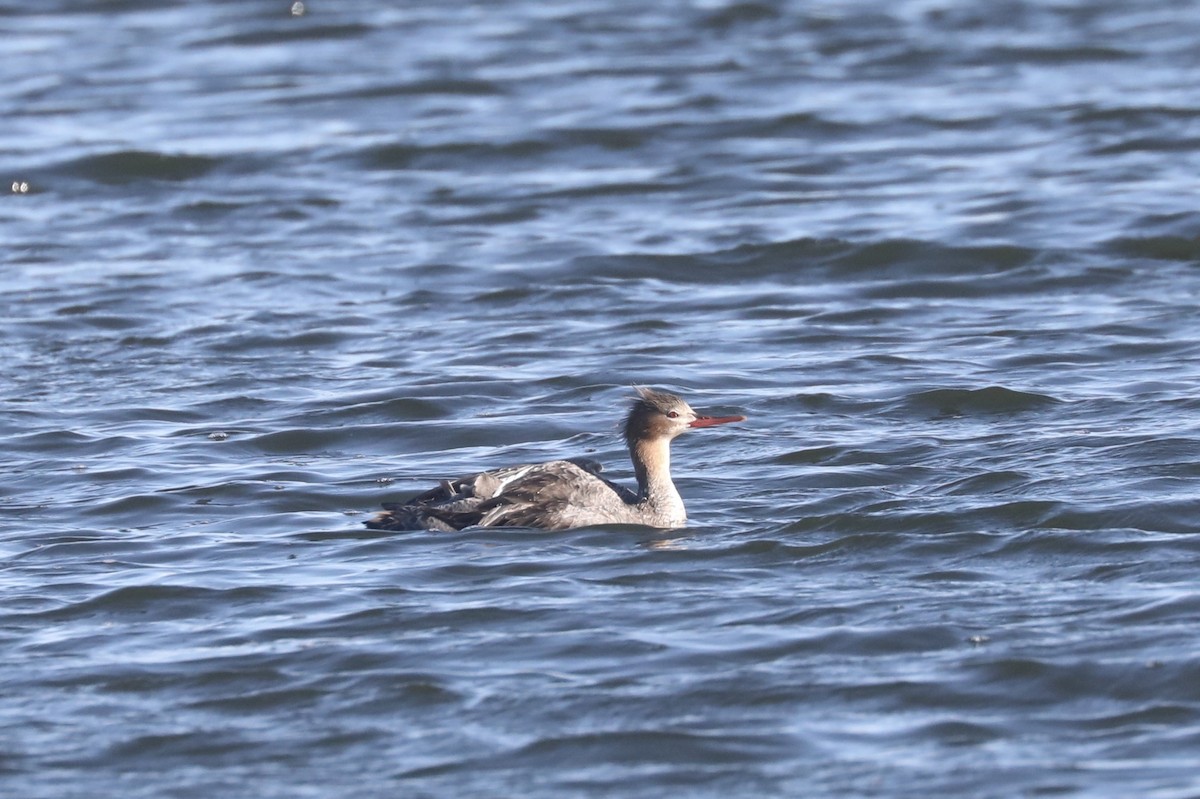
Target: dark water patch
x: 195, y: 678
x: 1033, y: 680
x: 960, y: 733
x: 955, y: 576
x: 210, y: 209
x: 739, y: 14
x: 303, y: 340
x: 291, y: 698
x: 1148, y: 143
x: 1133, y: 117
x: 448, y: 155
x: 988, y: 483
x: 294, y: 32
x: 794, y: 125
x: 211, y: 746
x: 131, y: 166
x: 904, y: 254
x: 510, y: 296
x: 630, y: 747
x: 845, y: 477
x: 809, y: 456
x: 145, y: 342
x: 416, y: 619
x: 1059, y: 55
x: 104, y: 548
x: 806, y: 259
x: 820, y: 402
x: 69, y: 7
x: 384, y: 690
x: 1159, y: 248
x: 618, y: 188
x: 1155, y: 715
x: 606, y: 138
x: 147, y: 418
x: 849, y: 459
x: 524, y: 213
x: 156, y: 603
x: 901, y: 639
x: 63, y: 440
x: 1107, y: 541
x: 1170, y: 516
x: 385, y: 405
x: 900, y: 695
x: 953, y: 402
x: 1113, y: 572
x: 472, y: 87
x: 350, y: 533
x: 939, y: 288
x: 880, y: 517
x: 133, y: 508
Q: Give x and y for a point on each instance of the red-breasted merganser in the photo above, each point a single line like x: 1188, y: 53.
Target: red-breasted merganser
x: 569, y: 493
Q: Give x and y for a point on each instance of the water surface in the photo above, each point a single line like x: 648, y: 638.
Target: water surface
x: 265, y: 270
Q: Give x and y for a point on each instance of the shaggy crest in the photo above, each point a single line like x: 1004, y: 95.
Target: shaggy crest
x: 648, y: 403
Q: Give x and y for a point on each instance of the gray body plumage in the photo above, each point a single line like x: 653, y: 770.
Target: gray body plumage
x: 563, y: 494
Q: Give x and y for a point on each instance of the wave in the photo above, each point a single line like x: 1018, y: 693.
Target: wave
x: 130, y: 166
x: 973, y: 402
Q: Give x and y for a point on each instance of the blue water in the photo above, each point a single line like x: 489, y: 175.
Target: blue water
x: 266, y: 267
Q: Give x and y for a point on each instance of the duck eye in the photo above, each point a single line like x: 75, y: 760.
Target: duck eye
x: 672, y: 414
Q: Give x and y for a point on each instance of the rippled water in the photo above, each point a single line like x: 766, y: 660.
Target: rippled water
x: 264, y: 270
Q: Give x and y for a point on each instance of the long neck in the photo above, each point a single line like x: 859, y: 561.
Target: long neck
x: 652, y: 465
